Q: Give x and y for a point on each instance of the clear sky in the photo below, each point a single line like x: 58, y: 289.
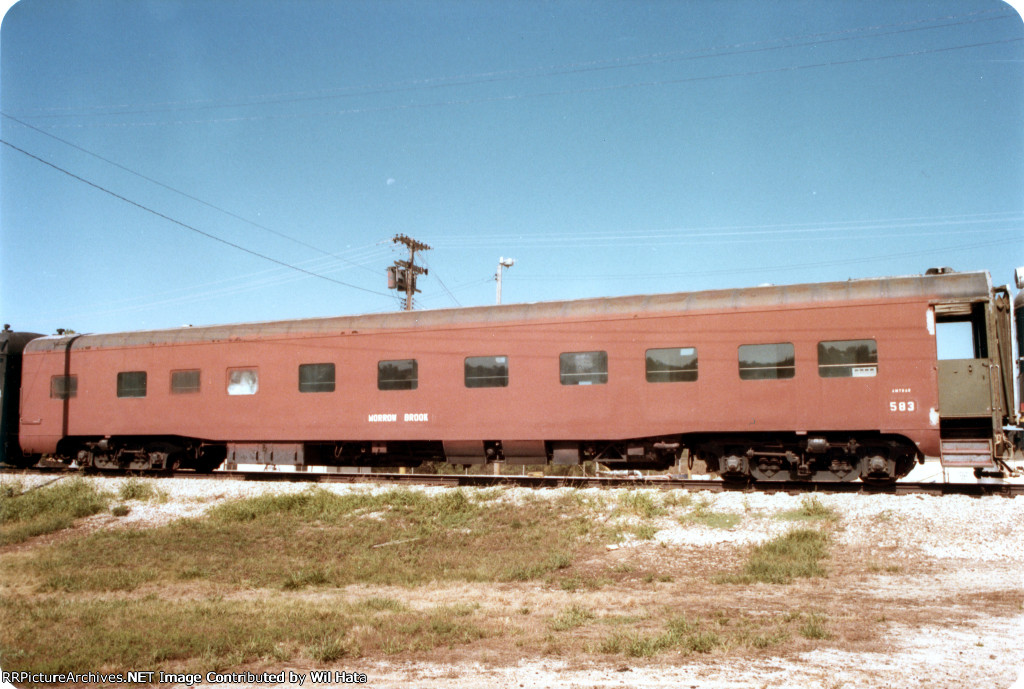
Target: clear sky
x: 171, y: 162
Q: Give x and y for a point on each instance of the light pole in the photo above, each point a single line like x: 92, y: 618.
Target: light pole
x: 502, y: 263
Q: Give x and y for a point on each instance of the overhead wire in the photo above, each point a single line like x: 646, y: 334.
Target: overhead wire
x: 556, y: 70
x: 187, y: 226
x: 766, y: 232
x: 181, y: 193
x: 196, y: 292
x: 542, y: 94
x: 441, y: 282
x: 715, y: 234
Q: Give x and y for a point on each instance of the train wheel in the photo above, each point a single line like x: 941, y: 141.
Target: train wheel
x: 877, y: 469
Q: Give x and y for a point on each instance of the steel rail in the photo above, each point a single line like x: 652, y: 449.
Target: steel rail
x: 662, y: 482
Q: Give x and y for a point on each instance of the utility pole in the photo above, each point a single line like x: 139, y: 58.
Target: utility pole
x: 402, y: 275
x: 502, y: 263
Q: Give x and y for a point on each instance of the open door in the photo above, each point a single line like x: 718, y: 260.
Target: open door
x: 971, y: 381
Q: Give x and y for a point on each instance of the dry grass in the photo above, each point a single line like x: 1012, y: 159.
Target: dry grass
x: 320, y: 578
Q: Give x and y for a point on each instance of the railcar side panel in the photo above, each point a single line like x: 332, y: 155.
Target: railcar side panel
x: 897, y: 396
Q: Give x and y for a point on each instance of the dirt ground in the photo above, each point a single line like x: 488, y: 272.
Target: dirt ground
x: 941, y: 625
x: 920, y: 592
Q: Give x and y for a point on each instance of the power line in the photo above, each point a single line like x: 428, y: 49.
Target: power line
x: 544, y: 94
x: 186, y: 195
x: 441, y: 282
x: 791, y: 266
x: 717, y: 232
x: 551, y: 70
x: 187, y: 226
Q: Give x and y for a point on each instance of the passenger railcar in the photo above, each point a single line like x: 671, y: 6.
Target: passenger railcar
x: 834, y: 381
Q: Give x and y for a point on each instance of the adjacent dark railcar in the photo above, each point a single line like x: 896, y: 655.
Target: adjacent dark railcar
x: 835, y: 381
x: 11, y: 346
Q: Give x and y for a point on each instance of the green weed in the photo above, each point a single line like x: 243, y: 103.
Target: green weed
x: 570, y: 618
x: 48, y: 509
x: 645, y: 532
x: 797, y: 553
x: 810, y: 508
x: 814, y: 627
x: 703, y: 514
x: 640, y: 503
x: 134, y: 488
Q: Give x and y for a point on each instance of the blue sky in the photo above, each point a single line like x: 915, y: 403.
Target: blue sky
x: 195, y: 162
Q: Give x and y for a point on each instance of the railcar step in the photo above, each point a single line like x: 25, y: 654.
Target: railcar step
x: 967, y: 453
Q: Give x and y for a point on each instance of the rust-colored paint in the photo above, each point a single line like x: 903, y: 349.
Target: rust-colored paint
x: 534, y: 405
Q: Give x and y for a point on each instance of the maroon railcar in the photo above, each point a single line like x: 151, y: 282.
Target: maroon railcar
x: 836, y: 381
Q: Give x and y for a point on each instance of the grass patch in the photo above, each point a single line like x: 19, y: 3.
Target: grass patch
x: 703, y: 515
x: 290, y: 542
x: 877, y: 568
x: 721, y: 631
x: 645, y: 532
x: 814, y: 627
x: 61, y: 635
x: 307, y: 576
x: 134, y: 488
x: 570, y: 618
x: 253, y: 584
x: 677, y: 498
x: 811, y: 508
x: 797, y: 553
x: 680, y: 635
x: 640, y: 503
x: 26, y: 514
x: 379, y: 604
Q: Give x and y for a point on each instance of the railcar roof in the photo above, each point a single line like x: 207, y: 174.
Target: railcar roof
x: 941, y: 287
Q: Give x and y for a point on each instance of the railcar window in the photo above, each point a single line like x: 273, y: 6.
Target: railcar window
x: 131, y: 384
x: 243, y: 381
x: 583, y: 368
x: 316, y: 378
x: 487, y: 372
x: 960, y: 331
x: 848, y: 359
x: 675, y: 365
x: 185, y: 382
x: 400, y: 374
x: 767, y: 361
x: 955, y: 340
x: 63, y: 387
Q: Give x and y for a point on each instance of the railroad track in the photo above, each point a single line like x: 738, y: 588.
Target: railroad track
x: 663, y: 482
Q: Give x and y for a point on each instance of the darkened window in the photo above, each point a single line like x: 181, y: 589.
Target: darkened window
x: 583, y: 368
x: 487, y: 372
x: 676, y: 365
x: 767, y: 361
x: 185, y: 382
x: 316, y: 378
x: 63, y: 387
x: 243, y: 381
x: 131, y: 384
x: 848, y: 359
x: 401, y: 374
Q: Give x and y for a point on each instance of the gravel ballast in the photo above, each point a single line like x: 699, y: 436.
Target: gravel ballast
x: 935, y: 557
